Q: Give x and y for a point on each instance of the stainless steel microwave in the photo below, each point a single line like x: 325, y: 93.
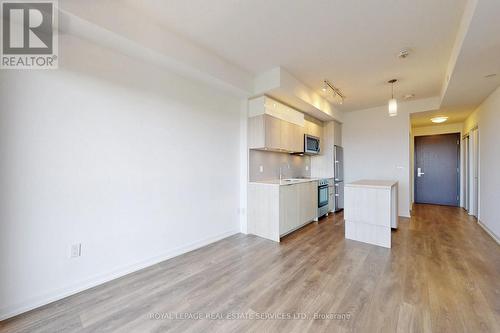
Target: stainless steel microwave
x: 311, y: 144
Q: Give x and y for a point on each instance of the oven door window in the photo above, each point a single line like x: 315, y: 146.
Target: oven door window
x: 322, y: 196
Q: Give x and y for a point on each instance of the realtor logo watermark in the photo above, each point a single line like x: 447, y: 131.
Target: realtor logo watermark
x: 29, y: 35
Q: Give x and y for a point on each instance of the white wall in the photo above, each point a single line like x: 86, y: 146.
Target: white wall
x: 109, y: 25
x: 135, y: 163
x: 436, y: 130
x: 487, y: 118
x: 376, y: 146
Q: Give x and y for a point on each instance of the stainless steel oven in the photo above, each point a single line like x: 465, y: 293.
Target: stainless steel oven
x: 311, y: 144
x: 323, y: 196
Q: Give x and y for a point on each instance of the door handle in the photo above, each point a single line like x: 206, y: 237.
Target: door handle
x: 419, y: 172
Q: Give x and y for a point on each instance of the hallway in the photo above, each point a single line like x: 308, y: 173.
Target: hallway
x: 452, y: 270
x: 440, y: 276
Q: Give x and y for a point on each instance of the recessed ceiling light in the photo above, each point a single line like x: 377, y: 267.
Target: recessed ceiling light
x: 409, y: 96
x: 490, y: 75
x: 440, y: 119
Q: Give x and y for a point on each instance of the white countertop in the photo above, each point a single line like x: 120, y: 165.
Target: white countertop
x: 387, y: 184
x: 284, y: 182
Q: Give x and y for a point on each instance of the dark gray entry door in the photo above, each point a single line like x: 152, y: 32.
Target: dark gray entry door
x: 437, y: 173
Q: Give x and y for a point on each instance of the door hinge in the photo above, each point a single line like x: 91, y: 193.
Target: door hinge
x: 458, y: 198
x: 458, y: 170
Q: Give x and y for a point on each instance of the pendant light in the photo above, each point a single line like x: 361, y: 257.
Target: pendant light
x: 393, y: 104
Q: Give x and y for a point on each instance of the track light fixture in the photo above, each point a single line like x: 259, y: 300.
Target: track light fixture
x: 336, y: 92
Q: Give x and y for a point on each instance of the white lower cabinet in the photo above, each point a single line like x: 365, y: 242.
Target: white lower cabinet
x: 274, y: 211
x: 308, y: 196
x: 289, y: 208
x: 298, y: 205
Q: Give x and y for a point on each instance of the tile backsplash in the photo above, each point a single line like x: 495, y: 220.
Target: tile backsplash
x: 292, y: 165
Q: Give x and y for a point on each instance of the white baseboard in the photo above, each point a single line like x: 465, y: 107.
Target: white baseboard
x: 60, y: 293
x: 489, y: 232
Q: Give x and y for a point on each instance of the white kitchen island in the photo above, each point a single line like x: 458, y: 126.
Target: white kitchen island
x: 371, y: 210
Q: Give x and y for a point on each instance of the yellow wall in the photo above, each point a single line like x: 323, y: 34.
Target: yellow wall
x: 438, y: 129
x: 471, y: 121
x: 487, y: 118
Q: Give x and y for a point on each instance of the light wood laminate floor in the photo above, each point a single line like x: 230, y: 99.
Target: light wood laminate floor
x: 441, y: 275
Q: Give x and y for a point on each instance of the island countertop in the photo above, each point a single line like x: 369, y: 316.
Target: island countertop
x: 373, y: 183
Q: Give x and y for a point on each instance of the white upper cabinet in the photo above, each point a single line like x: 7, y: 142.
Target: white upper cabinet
x: 313, y: 128
x: 276, y: 127
x: 266, y: 132
x: 292, y: 137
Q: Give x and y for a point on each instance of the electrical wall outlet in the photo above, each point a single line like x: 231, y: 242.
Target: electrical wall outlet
x: 261, y: 168
x: 76, y: 250
x: 307, y: 167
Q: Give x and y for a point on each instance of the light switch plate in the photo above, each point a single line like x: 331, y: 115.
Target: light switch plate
x: 261, y: 168
x: 307, y: 167
x: 76, y: 250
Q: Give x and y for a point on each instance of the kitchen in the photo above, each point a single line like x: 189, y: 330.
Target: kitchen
x: 296, y: 176
x: 295, y: 168
x: 319, y: 155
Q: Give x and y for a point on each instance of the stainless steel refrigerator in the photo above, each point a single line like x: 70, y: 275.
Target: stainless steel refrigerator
x: 338, y: 186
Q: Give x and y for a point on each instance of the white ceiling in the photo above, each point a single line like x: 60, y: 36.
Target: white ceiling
x: 420, y: 119
x: 352, y: 43
x: 478, y: 57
